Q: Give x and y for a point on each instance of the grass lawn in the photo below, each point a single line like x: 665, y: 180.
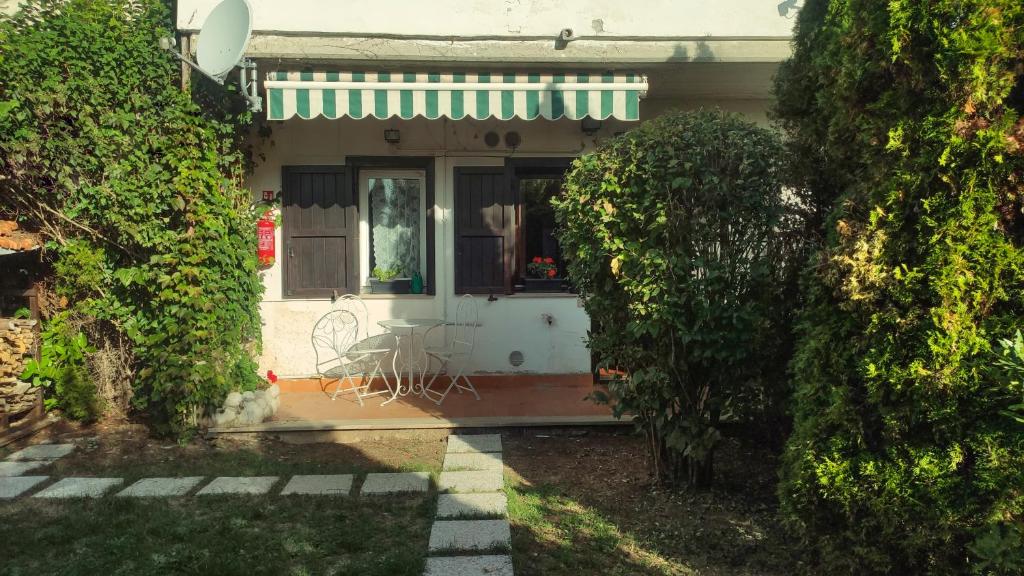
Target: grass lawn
x: 224, y: 535
x: 586, y: 505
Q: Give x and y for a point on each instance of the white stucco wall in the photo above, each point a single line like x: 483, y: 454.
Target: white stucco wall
x: 512, y: 323
x: 510, y: 18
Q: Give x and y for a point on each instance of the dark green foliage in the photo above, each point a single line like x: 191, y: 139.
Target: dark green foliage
x: 906, y: 122
x: 674, y: 236
x: 61, y: 371
x: 138, y: 192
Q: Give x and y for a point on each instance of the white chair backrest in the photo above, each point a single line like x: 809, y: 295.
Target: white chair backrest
x: 333, y: 335
x: 466, y: 320
x: 354, y: 305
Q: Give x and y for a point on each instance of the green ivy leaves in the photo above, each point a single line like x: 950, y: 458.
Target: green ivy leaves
x: 138, y: 190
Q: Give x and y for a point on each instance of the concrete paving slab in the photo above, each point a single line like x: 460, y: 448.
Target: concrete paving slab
x: 14, y: 486
x: 471, y: 481
x: 473, y: 461
x: 488, y: 504
x: 465, y: 535
x: 19, y: 468
x: 156, y: 487
x: 251, y: 485
x: 474, y: 443
x: 79, y: 488
x: 469, y: 566
x: 320, y: 484
x: 394, y: 482
x: 42, y: 452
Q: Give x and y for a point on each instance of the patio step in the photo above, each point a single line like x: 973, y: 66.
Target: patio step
x: 469, y: 566
x: 474, y: 443
x: 469, y: 535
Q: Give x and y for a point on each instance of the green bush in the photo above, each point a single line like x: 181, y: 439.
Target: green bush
x: 904, y: 119
x: 675, y: 240
x: 61, y: 371
x: 138, y: 192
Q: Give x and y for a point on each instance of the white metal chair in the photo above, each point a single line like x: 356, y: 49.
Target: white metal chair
x: 459, y: 348
x: 341, y: 354
x: 355, y: 305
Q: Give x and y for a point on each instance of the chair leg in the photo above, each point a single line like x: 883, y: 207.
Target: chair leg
x: 469, y: 385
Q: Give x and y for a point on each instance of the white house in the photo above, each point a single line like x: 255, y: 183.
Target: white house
x: 417, y: 136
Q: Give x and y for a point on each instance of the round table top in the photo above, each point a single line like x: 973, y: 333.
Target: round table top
x: 410, y: 323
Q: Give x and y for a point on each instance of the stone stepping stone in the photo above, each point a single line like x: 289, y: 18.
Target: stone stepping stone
x: 19, y: 468
x: 490, y: 505
x: 471, y: 481
x: 474, y: 443
x: 48, y: 452
x: 14, y: 486
x: 252, y: 485
x: 473, y: 461
x: 465, y: 535
x: 469, y: 566
x: 79, y: 488
x: 394, y: 482
x: 152, y: 487
x: 325, y: 484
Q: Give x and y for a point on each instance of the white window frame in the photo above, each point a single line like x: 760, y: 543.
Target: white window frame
x: 364, y: 216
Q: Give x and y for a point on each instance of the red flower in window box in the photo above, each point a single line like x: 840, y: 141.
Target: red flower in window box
x: 542, y: 268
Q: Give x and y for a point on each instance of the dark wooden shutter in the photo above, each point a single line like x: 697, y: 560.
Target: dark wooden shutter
x: 484, y: 227
x: 320, y: 228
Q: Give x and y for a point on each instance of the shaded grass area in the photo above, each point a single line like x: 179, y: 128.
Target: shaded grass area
x: 131, y: 455
x: 224, y: 535
x: 216, y: 535
x: 587, y: 505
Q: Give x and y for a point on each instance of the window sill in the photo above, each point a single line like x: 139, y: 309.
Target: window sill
x: 369, y: 296
x: 527, y: 295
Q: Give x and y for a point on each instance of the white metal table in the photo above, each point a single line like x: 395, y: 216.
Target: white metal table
x: 409, y: 362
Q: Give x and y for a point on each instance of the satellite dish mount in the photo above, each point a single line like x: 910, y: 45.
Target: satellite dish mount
x: 221, y: 46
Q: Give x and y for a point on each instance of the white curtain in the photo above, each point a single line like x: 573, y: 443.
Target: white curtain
x: 395, y: 220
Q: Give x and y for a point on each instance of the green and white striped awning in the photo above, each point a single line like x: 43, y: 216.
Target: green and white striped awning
x: 407, y: 95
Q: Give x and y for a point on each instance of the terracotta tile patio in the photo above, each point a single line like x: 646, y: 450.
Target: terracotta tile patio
x: 521, y: 400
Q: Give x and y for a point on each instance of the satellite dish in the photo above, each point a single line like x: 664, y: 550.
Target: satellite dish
x: 223, y: 37
x: 221, y: 46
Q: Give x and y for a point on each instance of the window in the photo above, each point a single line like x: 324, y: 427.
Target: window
x: 539, y: 266
x: 503, y: 221
x: 339, y: 222
x: 396, y: 222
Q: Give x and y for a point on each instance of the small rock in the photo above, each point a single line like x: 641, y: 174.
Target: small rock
x: 248, y: 395
x: 251, y: 414
x: 234, y: 400
x: 224, y: 419
x: 274, y: 391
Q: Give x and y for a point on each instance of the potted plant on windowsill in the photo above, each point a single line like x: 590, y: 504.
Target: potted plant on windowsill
x: 386, y: 281
x: 542, y: 276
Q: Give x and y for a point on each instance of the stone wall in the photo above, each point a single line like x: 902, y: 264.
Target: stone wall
x: 17, y: 343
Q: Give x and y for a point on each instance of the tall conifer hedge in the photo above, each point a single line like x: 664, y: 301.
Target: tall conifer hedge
x: 906, y: 117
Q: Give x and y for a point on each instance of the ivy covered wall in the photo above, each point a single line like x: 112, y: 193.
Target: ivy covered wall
x: 138, y: 191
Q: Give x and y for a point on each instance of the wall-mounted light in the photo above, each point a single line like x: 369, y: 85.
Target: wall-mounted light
x: 392, y: 136
x: 492, y: 139
x: 590, y: 126
x: 563, y: 39
x: 513, y: 139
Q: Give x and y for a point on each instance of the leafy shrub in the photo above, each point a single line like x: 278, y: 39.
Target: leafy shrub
x: 138, y: 192
x: 61, y: 370
x: 674, y: 239
x: 905, y: 121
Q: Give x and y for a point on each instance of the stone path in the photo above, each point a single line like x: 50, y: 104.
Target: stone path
x: 472, y: 511
x: 473, y: 515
